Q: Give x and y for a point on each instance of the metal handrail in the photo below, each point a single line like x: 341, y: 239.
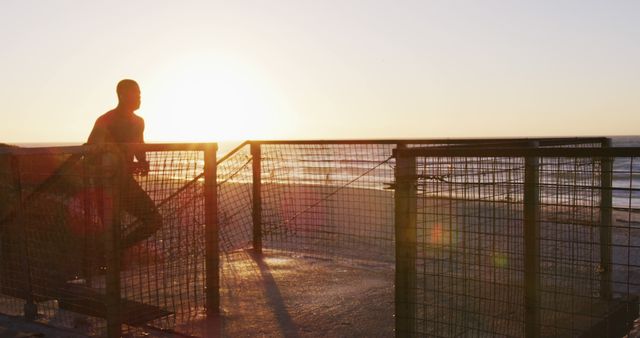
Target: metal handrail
x: 518, y: 152
x: 543, y: 141
x: 87, y: 148
x: 546, y: 141
x: 232, y: 151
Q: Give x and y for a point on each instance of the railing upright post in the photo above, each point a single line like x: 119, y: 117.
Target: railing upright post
x: 256, y: 155
x: 30, y: 309
x: 606, y: 206
x: 406, y: 240
x: 212, y: 248
x: 112, y: 171
x: 531, y: 246
x: 86, y: 221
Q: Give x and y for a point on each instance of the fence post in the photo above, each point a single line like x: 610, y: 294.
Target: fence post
x: 256, y: 155
x: 112, y: 169
x: 212, y: 249
x: 406, y: 239
x: 606, y: 205
x: 87, y: 262
x: 30, y: 308
x: 531, y: 246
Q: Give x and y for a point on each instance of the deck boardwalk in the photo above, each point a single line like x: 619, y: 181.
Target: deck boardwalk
x: 614, y: 318
x: 291, y: 294
x: 88, y: 301
x: 287, y: 294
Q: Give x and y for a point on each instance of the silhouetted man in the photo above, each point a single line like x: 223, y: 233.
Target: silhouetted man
x: 121, y: 126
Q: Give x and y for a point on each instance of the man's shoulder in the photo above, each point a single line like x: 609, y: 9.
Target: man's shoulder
x: 137, y: 119
x: 105, y: 118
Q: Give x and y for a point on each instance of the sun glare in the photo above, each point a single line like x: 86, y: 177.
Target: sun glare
x: 204, y: 100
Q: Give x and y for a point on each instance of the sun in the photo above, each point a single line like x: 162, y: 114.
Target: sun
x: 208, y: 100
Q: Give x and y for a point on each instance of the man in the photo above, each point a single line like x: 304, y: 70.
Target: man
x: 122, y: 126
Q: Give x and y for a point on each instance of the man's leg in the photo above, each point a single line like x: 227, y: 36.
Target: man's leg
x: 137, y: 203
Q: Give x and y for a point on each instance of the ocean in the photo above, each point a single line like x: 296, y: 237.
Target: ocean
x: 626, y: 175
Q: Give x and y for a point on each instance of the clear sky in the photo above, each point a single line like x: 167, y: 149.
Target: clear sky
x: 219, y: 70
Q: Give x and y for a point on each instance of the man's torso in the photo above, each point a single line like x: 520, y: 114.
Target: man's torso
x: 116, y: 127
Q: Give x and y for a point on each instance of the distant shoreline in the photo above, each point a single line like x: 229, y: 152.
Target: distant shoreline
x: 223, y: 146
x: 45, y: 144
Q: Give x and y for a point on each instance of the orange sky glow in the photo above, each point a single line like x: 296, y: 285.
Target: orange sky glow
x: 216, y: 71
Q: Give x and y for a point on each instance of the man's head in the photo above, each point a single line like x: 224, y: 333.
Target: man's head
x: 128, y: 94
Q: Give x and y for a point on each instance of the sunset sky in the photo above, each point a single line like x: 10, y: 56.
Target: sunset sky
x: 214, y: 70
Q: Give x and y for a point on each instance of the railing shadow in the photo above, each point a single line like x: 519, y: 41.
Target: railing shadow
x: 274, y: 298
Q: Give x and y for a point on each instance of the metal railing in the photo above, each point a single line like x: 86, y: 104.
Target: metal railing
x: 332, y: 198
x: 518, y: 241
x: 91, y: 243
x: 324, y: 182
x: 441, y: 212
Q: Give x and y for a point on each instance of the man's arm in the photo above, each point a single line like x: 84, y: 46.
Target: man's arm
x: 141, y: 156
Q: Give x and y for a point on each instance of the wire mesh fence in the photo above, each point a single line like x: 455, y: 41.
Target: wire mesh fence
x: 335, y: 198
x: 328, y: 199
x: 516, y: 243
x: 63, y: 257
x: 286, y: 210
x: 235, y: 199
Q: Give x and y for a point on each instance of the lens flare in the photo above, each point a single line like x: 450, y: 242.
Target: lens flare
x: 439, y: 235
x: 500, y: 260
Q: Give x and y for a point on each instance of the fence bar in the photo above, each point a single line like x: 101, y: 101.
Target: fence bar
x: 212, y: 249
x: 478, y: 151
x: 86, y: 219
x: 406, y: 239
x: 548, y: 141
x: 531, y: 247
x: 606, y: 205
x: 30, y: 309
x: 257, y: 196
x: 112, y: 169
